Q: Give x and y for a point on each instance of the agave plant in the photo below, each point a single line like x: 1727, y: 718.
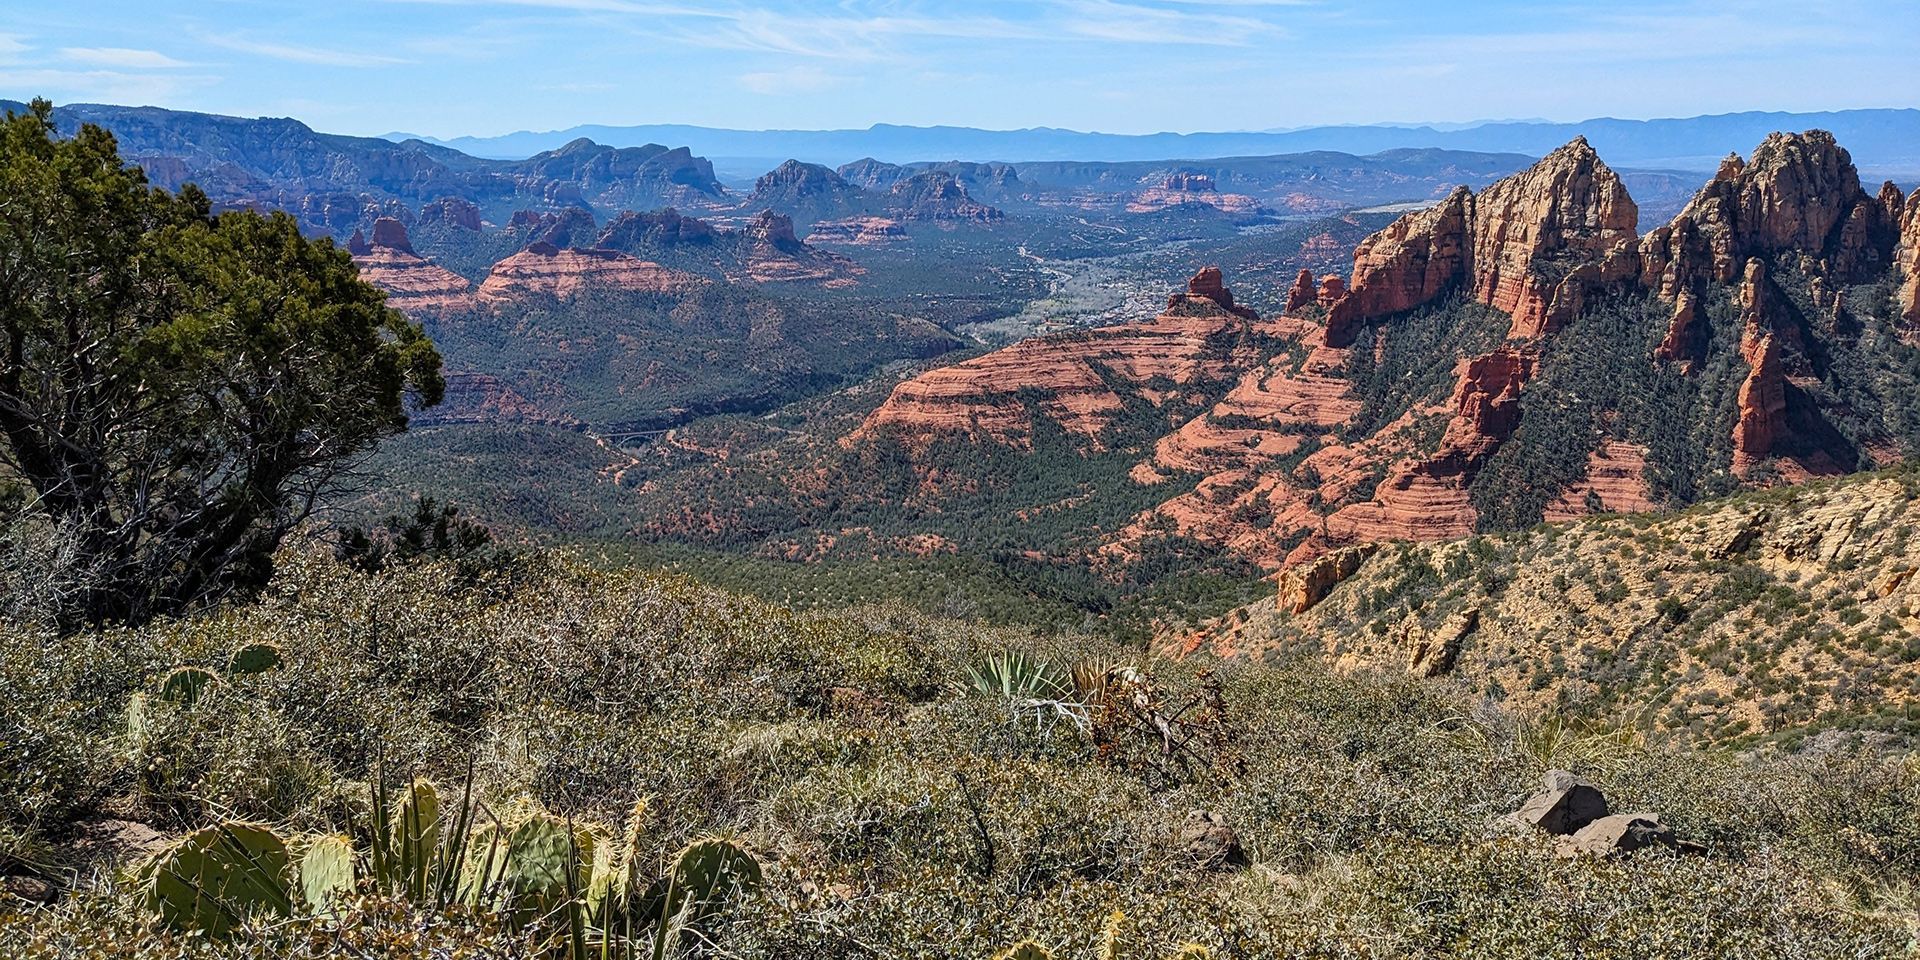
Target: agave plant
x: 1019, y: 676
x: 1043, y: 689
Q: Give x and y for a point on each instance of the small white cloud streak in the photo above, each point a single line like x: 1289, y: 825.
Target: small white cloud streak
x: 122, y: 57
x: 293, y: 54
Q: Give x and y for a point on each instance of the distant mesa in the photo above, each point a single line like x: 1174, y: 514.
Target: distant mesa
x: 1190, y: 187
x: 938, y: 196
x: 858, y: 231
x: 1201, y: 337
x: 544, y: 269
x: 413, y: 284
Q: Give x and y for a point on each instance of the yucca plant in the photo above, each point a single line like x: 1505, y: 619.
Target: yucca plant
x: 1032, y: 687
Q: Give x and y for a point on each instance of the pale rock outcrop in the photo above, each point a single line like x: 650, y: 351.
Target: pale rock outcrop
x: 1307, y: 584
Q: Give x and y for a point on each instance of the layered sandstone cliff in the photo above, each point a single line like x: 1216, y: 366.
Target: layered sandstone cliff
x: 1077, y: 380
x: 1798, y: 194
x: 413, y: 284
x: 546, y: 270
x: 1909, y: 260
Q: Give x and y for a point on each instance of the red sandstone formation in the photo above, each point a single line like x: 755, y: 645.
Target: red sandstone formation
x: 858, y: 231
x: 1208, y: 284
x: 1682, y: 329
x: 1332, y: 288
x: 1763, y: 395
x: 1073, y: 372
x: 1909, y: 259
x: 413, y: 285
x: 543, y: 269
x: 392, y: 234
x: 1799, y: 193
x: 1188, y: 186
x: 1616, y: 479
x: 1415, y: 259
x: 772, y: 254
x: 1569, y: 208
x: 1301, y: 295
x: 1530, y: 245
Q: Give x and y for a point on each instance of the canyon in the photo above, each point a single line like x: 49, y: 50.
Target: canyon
x: 1763, y: 280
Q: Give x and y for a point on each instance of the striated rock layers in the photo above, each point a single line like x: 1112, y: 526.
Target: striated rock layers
x: 1076, y: 379
x: 1190, y: 187
x: 543, y: 269
x: 413, y: 284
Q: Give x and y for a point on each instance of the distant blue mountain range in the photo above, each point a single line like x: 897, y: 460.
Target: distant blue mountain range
x: 1880, y: 140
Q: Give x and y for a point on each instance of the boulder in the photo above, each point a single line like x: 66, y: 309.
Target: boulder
x: 32, y: 891
x: 1207, y: 842
x: 1567, y: 805
x: 1618, y: 833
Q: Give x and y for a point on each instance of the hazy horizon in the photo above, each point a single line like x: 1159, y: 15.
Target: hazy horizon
x: 482, y: 68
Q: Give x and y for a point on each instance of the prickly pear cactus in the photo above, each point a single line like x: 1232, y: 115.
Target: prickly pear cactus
x: 546, y: 865
x: 185, y: 685
x: 254, y: 658
x: 326, y: 873
x: 214, y: 879
x: 703, y: 879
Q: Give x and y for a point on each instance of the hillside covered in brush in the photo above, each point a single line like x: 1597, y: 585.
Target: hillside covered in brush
x: 1762, y: 617
x: 904, y: 786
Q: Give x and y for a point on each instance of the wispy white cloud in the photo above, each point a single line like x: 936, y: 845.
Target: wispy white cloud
x: 12, y: 45
x: 109, y: 86
x: 797, y: 80
x: 122, y: 57
x: 319, y: 56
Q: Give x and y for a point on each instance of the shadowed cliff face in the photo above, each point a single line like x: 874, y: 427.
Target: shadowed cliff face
x: 1515, y: 355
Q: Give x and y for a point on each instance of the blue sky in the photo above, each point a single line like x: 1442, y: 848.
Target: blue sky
x: 450, y: 67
